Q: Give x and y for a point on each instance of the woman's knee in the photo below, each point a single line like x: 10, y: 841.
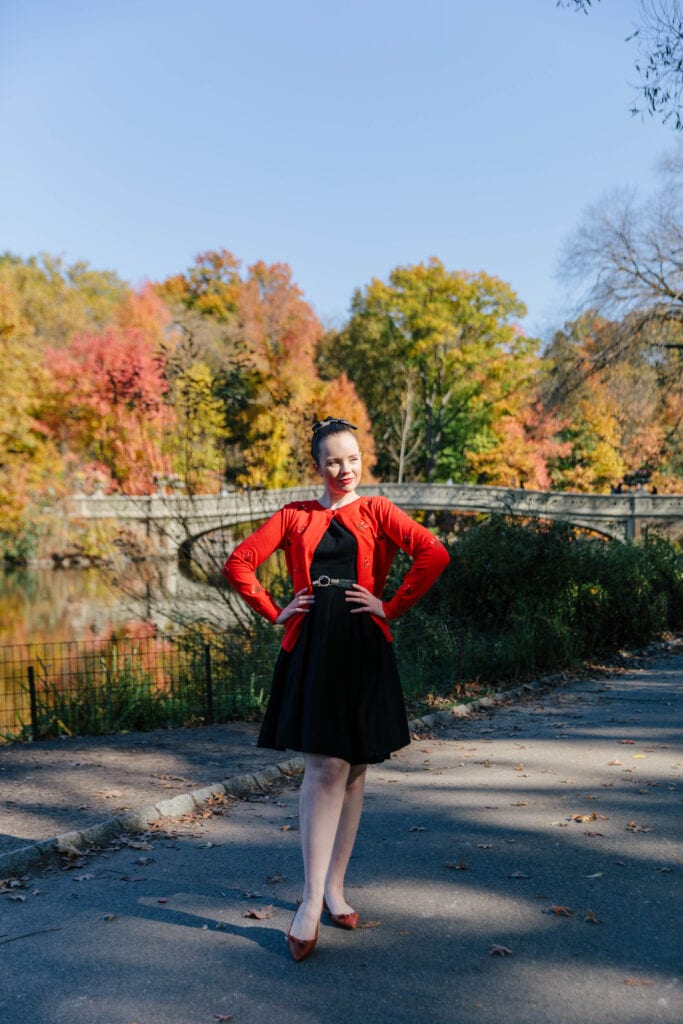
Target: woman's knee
x: 326, y: 771
x: 356, y: 779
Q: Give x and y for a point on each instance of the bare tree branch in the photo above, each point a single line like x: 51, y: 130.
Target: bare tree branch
x: 659, y: 59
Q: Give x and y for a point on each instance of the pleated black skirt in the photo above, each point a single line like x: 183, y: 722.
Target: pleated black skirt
x: 338, y: 691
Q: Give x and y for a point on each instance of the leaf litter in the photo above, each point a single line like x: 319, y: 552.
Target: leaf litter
x: 259, y: 913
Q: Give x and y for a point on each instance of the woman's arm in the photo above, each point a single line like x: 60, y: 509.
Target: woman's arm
x: 429, y: 556
x: 240, y: 568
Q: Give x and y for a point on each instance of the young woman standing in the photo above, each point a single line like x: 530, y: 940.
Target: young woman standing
x: 336, y: 694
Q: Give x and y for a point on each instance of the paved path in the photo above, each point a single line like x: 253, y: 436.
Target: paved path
x: 470, y: 839
x: 56, y: 786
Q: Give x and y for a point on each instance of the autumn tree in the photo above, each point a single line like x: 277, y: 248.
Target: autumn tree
x: 194, y: 445
x: 257, y: 335
x: 30, y: 467
x: 625, y: 262
x: 57, y: 299
x: 619, y: 418
x: 439, y: 359
x: 107, y: 407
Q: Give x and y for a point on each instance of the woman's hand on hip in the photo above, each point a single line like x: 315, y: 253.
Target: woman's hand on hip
x: 365, y: 601
x: 301, y: 602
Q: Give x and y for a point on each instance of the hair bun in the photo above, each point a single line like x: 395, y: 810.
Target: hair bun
x: 329, y: 421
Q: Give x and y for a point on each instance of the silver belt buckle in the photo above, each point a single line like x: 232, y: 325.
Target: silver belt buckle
x: 322, y: 581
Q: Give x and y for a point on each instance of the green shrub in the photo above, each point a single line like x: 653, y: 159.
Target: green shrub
x: 523, y: 598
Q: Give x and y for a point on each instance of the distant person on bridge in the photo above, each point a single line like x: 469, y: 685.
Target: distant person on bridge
x: 336, y: 694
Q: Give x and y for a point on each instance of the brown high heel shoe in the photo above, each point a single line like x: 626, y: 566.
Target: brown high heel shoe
x: 347, y: 921
x: 301, y: 948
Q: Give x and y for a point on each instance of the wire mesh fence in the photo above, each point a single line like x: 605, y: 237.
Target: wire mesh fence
x: 90, y: 687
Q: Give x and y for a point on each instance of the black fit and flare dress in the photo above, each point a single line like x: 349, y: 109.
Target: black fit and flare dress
x: 338, y: 691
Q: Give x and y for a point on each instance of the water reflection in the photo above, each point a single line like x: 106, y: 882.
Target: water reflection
x: 50, y: 605
x: 48, y: 609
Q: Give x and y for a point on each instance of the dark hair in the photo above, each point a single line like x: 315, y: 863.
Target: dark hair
x: 325, y: 428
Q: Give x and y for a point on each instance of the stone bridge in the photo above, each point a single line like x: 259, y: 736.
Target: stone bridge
x: 168, y: 522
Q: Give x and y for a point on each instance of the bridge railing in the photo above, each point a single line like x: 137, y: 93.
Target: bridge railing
x: 618, y: 515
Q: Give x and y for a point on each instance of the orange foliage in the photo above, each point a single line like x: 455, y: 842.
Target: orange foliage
x: 107, y: 405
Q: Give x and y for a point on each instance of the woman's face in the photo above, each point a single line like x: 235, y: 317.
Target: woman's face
x: 339, y: 464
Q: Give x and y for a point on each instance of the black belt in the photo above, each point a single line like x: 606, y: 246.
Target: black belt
x: 327, y: 581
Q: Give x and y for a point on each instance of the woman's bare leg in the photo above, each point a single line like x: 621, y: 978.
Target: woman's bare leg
x: 320, y: 807
x: 349, y: 819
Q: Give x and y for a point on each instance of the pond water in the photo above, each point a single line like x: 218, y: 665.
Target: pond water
x: 43, y: 611
x: 54, y: 605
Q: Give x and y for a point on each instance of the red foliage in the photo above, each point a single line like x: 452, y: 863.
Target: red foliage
x: 108, y: 404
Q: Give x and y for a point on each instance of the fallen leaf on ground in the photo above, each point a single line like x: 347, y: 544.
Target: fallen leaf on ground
x: 561, y: 911
x: 109, y: 917
x: 519, y: 803
x: 83, y: 878
x: 460, y: 866
x: 633, y: 826
x: 594, y: 834
x: 259, y: 913
x: 417, y: 828
x: 497, y: 950
x: 630, y: 742
x: 286, y: 828
x: 591, y: 918
x: 371, y: 924
x: 222, y: 1017
x: 8, y: 884
x: 638, y: 981
x: 71, y: 865
x: 274, y: 879
x: 67, y: 850
x: 615, y: 763
x: 137, y: 844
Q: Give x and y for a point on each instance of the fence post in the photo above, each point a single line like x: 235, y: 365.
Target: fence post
x: 208, y: 683
x: 33, y: 702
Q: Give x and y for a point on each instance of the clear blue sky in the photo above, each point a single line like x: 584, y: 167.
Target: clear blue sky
x: 343, y: 137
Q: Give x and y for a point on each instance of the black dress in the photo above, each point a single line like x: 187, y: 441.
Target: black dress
x: 338, y: 691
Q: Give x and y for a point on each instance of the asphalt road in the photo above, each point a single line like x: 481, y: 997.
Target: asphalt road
x: 519, y: 868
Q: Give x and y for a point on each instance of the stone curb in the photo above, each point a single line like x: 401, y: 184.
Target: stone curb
x: 185, y: 803
x: 138, y: 820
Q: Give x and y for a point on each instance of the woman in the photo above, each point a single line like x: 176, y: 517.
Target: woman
x: 336, y: 695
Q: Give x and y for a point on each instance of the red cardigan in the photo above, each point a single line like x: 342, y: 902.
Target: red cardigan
x: 380, y: 528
